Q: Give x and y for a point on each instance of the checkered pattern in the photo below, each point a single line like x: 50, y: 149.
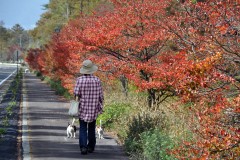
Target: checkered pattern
x: 88, y: 88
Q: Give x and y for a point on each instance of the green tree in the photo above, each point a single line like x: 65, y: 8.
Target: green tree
x: 4, y: 36
x: 11, y: 39
x: 58, y: 13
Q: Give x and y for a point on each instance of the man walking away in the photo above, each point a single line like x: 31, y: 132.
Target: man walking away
x: 88, y: 90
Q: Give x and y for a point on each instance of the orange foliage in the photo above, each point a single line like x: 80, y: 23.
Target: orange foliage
x: 183, y: 48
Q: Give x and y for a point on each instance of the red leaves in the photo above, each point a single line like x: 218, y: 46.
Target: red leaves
x: 32, y: 58
x: 157, y: 44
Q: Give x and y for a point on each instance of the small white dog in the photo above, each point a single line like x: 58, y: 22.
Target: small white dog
x: 27, y: 71
x: 100, y: 130
x: 71, y: 130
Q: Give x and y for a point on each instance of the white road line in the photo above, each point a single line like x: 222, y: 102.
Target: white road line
x: 25, y: 134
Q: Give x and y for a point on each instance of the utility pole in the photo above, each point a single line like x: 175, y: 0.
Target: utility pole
x: 20, y: 41
x: 81, y: 7
x: 67, y: 10
x: 1, y: 51
x: 17, y: 62
x: 20, y: 47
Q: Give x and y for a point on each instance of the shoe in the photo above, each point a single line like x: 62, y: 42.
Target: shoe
x: 84, y: 151
x: 90, y: 150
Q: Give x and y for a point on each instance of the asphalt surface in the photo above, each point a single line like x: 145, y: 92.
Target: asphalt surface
x: 44, y: 131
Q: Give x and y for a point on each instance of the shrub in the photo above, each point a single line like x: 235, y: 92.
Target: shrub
x: 155, y: 145
x: 9, y: 110
x: 57, y: 86
x: 38, y: 74
x: 5, y: 121
x: 113, y: 113
x: 140, y: 124
x: 2, y: 132
x: 12, y: 103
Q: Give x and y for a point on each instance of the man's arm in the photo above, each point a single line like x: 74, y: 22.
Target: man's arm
x: 77, y: 91
x: 101, y: 96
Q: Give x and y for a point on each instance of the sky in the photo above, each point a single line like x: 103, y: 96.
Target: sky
x: 23, y: 12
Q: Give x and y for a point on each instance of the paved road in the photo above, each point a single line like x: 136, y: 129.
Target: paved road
x: 44, y: 128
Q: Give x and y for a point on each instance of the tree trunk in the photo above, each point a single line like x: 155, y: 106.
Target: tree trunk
x: 151, y: 97
x: 151, y: 92
x: 81, y: 7
x: 124, y: 82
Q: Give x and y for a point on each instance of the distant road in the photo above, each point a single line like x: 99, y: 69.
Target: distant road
x: 6, y: 70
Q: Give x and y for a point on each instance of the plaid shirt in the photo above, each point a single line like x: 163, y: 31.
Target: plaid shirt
x: 88, y: 88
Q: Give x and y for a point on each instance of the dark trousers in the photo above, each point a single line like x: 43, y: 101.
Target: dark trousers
x: 87, y: 135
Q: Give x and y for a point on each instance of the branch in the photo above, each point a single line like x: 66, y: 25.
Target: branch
x: 224, y: 48
x: 112, y: 53
x: 223, y: 150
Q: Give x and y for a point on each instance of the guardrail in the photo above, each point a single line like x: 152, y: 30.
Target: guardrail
x: 10, y: 64
x: 4, y: 83
x: 7, y: 78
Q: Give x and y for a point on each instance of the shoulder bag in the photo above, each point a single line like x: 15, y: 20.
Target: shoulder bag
x: 73, y: 109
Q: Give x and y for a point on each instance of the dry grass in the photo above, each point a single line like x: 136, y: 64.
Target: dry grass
x: 174, y: 118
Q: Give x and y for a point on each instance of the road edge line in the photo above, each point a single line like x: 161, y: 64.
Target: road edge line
x: 25, y: 131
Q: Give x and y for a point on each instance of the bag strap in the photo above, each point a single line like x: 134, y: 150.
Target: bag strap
x: 76, y: 98
x: 73, y: 120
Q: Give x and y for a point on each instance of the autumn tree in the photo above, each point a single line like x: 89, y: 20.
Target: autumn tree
x: 176, y: 49
x: 210, y: 29
x: 165, y: 48
x: 32, y: 58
